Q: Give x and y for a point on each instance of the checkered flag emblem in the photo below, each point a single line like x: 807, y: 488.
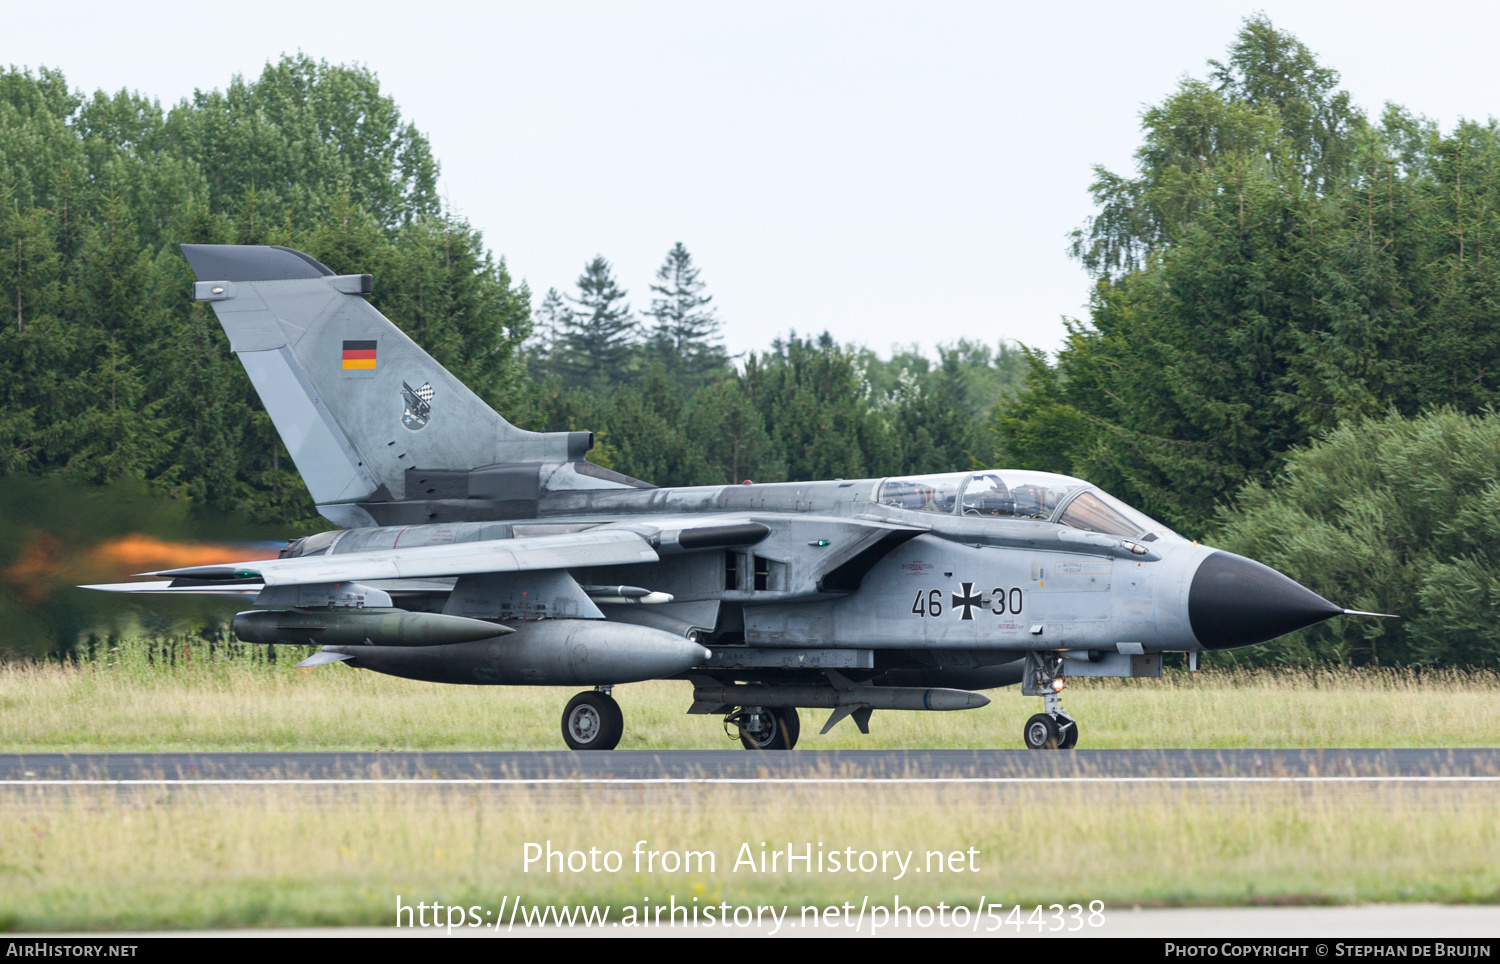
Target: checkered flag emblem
x: 418, y: 405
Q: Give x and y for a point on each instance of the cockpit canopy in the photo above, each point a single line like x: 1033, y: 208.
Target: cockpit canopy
x: 1000, y: 493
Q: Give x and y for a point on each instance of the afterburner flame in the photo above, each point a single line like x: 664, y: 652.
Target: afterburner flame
x: 39, y: 566
x: 47, y: 563
x: 136, y: 552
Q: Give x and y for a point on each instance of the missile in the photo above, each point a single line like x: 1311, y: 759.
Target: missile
x: 623, y: 595
x: 859, y: 697
x: 375, y: 627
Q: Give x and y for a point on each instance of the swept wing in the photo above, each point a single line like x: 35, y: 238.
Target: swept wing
x: 590, y: 548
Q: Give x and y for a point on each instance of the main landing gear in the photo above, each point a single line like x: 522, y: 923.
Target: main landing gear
x: 766, y: 728
x: 1053, y: 728
x: 593, y: 721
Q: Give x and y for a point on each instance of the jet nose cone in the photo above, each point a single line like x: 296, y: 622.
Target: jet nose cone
x: 1234, y: 601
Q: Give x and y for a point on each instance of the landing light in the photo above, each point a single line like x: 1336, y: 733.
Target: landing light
x: 1057, y: 685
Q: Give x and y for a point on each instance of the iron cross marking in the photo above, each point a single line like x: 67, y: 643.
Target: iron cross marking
x: 969, y: 600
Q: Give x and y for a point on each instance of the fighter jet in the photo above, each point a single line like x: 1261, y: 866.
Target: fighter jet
x: 471, y: 551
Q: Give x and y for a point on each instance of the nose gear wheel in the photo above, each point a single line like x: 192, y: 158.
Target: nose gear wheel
x: 1042, y: 733
x: 1053, y: 728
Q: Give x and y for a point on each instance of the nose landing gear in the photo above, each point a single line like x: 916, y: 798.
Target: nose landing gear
x: 1053, y: 728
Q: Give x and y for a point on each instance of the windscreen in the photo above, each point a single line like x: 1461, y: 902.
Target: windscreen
x: 1089, y: 513
x: 1097, y: 511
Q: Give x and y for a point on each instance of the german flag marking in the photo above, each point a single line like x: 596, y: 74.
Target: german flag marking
x: 359, y: 354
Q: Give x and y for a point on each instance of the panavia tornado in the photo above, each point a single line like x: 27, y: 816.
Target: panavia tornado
x: 470, y: 551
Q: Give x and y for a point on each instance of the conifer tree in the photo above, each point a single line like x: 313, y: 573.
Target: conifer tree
x: 731, y: 433
x: 686, y: 334
x: 546, y: 329
x: 598, y: 337
x: 648, y: 429
x: 813, y: 401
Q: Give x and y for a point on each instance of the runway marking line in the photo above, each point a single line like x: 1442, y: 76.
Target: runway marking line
x: 659, y: 781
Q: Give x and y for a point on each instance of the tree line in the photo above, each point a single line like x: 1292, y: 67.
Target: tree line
x: 113, y: 375
x: 671, y: 407
x: 1293, y: 347
x: 1280, y: 263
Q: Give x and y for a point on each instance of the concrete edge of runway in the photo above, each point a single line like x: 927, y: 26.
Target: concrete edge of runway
x: 738, y: 767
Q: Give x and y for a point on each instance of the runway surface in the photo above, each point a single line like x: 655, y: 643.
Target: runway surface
x: 712, y: 766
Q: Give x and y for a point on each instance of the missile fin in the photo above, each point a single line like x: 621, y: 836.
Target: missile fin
x: 839, y: 712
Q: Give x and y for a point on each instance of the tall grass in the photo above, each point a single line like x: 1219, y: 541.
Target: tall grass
x: 189, y: 694
x: 208, y: 856
x: 200, y: 857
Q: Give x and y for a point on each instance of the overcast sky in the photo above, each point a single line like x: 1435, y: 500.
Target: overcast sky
x: 890, y: 172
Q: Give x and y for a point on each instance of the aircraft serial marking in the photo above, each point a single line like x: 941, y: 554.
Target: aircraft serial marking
x: 929, y: 602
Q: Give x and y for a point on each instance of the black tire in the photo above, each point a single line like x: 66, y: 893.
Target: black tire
x: 772, y: 732
x: 1042, y: 733
x: 592, y: 721
x: 1070, y: 736
x: 792, y: 724
x: 616, y: 721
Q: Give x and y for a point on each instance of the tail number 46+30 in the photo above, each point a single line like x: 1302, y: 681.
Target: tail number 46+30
x: 1000, y: 601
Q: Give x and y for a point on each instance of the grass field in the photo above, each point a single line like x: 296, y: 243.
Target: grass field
x: 98, y: 858
x: 285, y: 856
x: 121, y: 701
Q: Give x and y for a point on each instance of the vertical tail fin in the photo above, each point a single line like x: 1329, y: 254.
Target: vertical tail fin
x: 358, y: 404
